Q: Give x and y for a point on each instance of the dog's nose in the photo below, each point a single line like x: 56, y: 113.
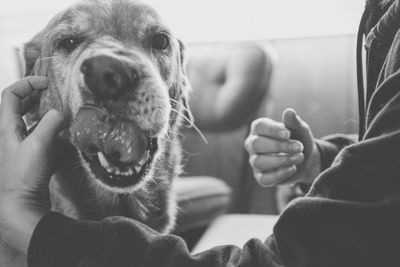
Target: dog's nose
x: 108, y: 77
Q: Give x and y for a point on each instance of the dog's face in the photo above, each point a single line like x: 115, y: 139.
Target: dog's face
x: 116, y: 71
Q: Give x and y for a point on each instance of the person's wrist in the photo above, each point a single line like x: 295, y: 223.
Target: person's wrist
x: 18, y: 222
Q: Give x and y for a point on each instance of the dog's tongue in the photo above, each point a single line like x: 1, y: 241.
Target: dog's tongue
x: 93, y: 129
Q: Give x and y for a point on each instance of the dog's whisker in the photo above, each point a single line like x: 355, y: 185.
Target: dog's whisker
x: 46, y: 58
x: 175, y: 132
x: 183, y: 115
x: 202, y: 136
x: 179, y: 104
x: 171, y: 142
x: 170, y: 138
x: 76, y: 166
x: 124, y: 66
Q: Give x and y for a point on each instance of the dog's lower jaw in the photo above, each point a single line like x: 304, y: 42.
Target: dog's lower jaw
x: 148, y: 175
x: 77, y: 195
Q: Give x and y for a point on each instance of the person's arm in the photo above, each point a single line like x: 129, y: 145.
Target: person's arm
x: 328, y: 148
x: 350, y: 218
x: 331, y: 145
x: 51, y: 239
x: 118, y: 241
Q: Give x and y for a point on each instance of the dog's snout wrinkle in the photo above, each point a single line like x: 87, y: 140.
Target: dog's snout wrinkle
x: 108, y: 77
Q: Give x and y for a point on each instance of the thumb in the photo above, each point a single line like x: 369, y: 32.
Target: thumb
x: 299, y: 129
x: 48, y: 127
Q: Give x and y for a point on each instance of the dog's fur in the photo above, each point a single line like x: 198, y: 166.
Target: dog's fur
x: 120, y: 29
x: 387, y: 2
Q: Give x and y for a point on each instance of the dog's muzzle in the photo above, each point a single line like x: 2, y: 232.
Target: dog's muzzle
x: 118, y: 151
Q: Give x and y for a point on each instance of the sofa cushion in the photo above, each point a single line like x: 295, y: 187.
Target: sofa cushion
x: 200, y: 200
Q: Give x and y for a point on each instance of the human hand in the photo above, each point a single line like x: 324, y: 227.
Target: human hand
x: 27, y: 162
x: 282, y: 152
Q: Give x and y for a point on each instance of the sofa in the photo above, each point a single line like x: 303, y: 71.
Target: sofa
x: 316, y: 76
x: 230, y: 85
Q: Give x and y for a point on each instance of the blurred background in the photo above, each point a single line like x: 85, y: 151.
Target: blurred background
x: 272, y: 54
x: 201, y: 21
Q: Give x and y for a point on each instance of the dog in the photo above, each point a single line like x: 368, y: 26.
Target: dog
x: 116, y: 71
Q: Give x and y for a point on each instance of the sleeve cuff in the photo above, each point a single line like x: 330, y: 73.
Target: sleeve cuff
x: 58, y: 241
x: 328, y: 152
x: 45, y: 241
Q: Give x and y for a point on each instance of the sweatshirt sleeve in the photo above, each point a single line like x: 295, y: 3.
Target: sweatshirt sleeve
x: 118, y: 241
x: 349, y: 218
x: 330, y: 146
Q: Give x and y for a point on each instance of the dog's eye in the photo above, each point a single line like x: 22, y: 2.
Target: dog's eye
x: 69, y: 44
x: 160, y: 41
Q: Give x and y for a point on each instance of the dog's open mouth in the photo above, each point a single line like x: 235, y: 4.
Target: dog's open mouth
x: 118, y: 153
x: 119, y: 174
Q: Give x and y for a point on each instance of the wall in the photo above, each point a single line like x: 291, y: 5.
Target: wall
x: 196, y: 21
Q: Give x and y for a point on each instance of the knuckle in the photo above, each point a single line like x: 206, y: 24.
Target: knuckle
x: 260, y: 178
x: 257, y: 175
x: 253, y: 144
x: 251, y: 160
x: 266, y: 180
x: 259, y: 125
x: 255, y: 161
x: 255, y: 125
x: 279, y: 127
x: 247, y: 143
x: 256, y: 143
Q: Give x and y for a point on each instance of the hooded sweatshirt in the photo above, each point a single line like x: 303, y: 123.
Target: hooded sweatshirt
x: 349, y: 218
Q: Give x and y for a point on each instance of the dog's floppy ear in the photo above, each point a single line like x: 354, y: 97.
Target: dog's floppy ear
x: 185, y: 86
x: 31, y: 53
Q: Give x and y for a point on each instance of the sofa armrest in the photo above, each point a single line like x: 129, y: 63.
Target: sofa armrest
x: 229, y: 84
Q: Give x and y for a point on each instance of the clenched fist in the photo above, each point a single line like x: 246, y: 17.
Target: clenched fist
x: 283, y: 152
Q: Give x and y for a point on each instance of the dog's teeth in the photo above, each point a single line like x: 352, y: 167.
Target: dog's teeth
x: 103, y: 161
x: 137, y: 168
x: 130, y: 172
x: 145, y: 157
x: 110, y: 170
x: 117, y: 172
